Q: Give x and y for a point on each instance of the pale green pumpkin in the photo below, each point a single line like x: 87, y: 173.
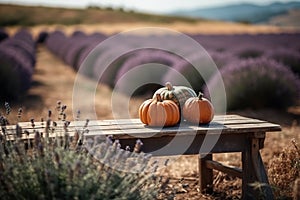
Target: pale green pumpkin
x: 178, y: 94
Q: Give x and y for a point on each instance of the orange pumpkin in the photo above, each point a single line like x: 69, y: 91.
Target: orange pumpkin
x: 158, y: 112
x: 198, y: 110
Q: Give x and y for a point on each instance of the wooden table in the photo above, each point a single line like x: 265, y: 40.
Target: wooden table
x: 225, y: 134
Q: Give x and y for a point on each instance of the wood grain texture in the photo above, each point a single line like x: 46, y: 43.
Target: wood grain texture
x: 128, y: 128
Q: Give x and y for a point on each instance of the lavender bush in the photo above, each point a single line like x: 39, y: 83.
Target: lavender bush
x: 288, y: 57
x: 69, y: 43
x: 27, y: 50
x: 261, y: 42
x: 16, y: 68
x: 73, y: 42
x: 42, y: 36
x: 195, y: 70
x: 222, y: 59
x: 258, y: 83
x: 3, y: 34
x: 81, y: 48
x: 88, y: 48
x: 105, y: 72
x: 9, y: 78
x: 92, y: 41
x: 25, y: 36
x: 72, y: 56
x: 71, y: 166
x: 157, y: 61
x: 248, y: 50
x: 17, y: 60
x: 55, y: 40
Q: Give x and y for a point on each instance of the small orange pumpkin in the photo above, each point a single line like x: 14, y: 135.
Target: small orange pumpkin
x: 158, y: 112
x: 198, y: 110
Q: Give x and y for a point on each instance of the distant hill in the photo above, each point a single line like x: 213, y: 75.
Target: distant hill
x: 35, y: 15
x: 245, y: 12
x: 290, y: 19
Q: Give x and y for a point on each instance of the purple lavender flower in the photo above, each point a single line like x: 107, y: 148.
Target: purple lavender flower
x: 288, y: 57
x: 150, y: 64
x: 27, y: 50
x: 222, y: 58
x: 55, y: 40
x: 42, y: 36
x: 258, y: 83
x: 15, y: 73
x: 192, y: 71
x: 25, y: 36
x: 3, y: 34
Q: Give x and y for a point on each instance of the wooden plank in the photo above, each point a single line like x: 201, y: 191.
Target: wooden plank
x: 223, y: 120
x: 262, y: 127
x: 227, y: 119
x: 231, y: 116
x: 230, y: 170
x: 139, y: 125
x: 144, y: 132
x: 134, y: 128
x: 133, y: 125
x: 191, y: 130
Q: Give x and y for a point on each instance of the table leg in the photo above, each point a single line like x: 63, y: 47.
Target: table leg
x: 206, y: 175
x: 255, y: 180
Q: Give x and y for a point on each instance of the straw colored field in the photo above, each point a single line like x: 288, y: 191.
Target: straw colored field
x: 205, y: 27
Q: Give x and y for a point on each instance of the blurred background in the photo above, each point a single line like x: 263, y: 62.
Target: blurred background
x: 254, y: 46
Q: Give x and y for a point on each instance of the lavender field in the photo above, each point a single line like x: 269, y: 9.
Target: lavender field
x: 258, y: 71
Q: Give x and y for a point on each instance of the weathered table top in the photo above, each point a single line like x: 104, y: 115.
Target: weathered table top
x: 124, y: 128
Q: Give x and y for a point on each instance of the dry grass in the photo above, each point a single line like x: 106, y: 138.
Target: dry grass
x: 284, y: 169
x: 205, y: 27
x: 114, y: 21
x: 35, y: 15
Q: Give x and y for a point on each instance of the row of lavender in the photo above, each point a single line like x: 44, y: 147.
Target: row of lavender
x: 17, y: 61
x: 257, y: 70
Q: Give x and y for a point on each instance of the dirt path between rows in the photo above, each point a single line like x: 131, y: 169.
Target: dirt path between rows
x: 54, y: 81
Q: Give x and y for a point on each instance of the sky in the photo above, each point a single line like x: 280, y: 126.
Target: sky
x: 152, y: 6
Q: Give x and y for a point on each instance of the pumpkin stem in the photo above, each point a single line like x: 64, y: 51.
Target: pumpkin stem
x: 200, y: 95
x: 158, y: 98
x: 169, y: 86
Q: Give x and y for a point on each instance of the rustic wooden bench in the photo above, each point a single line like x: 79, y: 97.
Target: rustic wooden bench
x: 225, y: 134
